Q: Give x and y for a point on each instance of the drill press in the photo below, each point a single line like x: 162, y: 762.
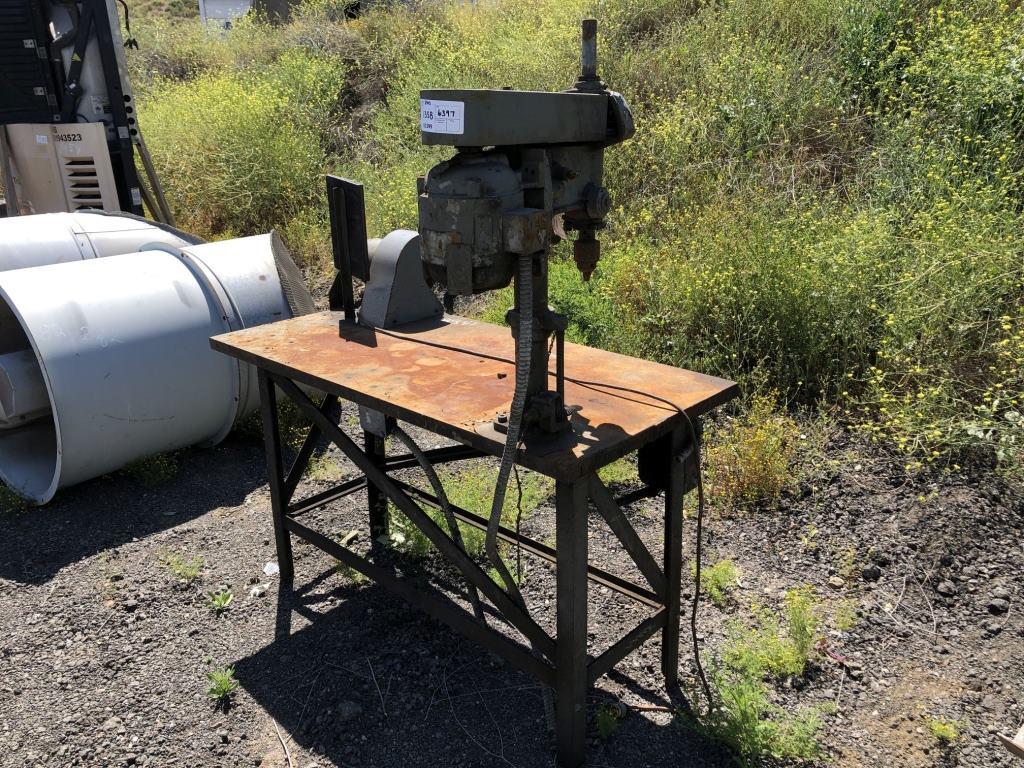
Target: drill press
x: 527, y: 170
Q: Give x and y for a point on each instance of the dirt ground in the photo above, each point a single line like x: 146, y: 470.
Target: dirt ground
x: 104, y: 654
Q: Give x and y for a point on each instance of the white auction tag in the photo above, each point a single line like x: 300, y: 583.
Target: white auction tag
x: 442, y: 116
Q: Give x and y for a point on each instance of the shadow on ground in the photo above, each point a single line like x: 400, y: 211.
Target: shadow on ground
x: 369, y: 681
x: 110, y: 511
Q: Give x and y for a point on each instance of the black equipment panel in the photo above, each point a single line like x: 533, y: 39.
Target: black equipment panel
x: 28, y: 92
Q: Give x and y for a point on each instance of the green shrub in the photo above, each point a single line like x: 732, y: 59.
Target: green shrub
x: 753, y: 461
x: 718, y: 580
x: 801, y: 610
x: 744, y: 717
x: 825, y: 191
x: 779, y: 646
x: 240, y: 153
x: 749, y: 724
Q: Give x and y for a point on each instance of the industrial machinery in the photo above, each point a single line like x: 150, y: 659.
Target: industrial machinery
x: 527, y: 171
x: 68, y: 129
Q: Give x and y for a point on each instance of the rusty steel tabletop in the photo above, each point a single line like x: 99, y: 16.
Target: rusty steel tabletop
x: 454, y: 377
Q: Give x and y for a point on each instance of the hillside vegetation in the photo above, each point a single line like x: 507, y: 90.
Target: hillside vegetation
x: 823, y: 196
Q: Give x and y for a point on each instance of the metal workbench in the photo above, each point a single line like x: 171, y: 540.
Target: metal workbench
x: 454, y: 377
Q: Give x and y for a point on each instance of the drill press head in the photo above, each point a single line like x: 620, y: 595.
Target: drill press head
x: 528, y: 169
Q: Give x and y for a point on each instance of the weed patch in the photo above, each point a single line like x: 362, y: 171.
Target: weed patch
x: 153, y: 471
x: 259, y: 135
x: 219, y: 601
x: 943, y: 731
x: 223, y: 685
x: 472, y: 488
x: 10, y: 502
x: 826, y: 191
x: 185, y: 569
x: 606, y: 720
x: 779, y: 646
x: 619, y: 472
x: 753, y: 461
x: 718, y: 580
x: 752, y: 726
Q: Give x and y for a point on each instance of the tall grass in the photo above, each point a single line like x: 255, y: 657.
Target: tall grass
x: 825, y: 191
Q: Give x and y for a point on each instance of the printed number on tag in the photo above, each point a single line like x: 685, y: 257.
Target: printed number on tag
x: 442, y: 116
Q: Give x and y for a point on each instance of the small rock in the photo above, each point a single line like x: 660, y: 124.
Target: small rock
x: 349, y: 710
x: 259, y: 590
x: 271, y: 569
x: 855, y: 670
x: 993, y: 627
x: 880, y: 558
x: 998, y: 606
x: 222, y: 735
x: 871, y: 573
x: 131, y: 605
x: 836, y: 582
x: 946, y: 588
x: 1001, y: 593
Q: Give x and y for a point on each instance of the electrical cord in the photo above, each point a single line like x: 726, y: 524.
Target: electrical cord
x: 695, y: 446
x: 515, y: 422
x: 698, y: 557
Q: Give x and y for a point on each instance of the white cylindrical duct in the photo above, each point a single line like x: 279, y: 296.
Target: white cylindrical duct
x: 54, y: 238
x: 122, y: 346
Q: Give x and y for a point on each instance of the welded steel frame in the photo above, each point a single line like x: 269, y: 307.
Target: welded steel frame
x: 560, y: 662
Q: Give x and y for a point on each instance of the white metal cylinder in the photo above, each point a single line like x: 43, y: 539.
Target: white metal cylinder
x: 54, y: 238
x: 122, y: 344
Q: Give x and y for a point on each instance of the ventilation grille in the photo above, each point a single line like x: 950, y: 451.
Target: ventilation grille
x: 82, y: 183
x: 300, y: 302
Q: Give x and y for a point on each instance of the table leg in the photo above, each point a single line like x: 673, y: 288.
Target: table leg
x: 673, y: 561
x: 275, y: 475
x: 571, y: 643
x: 376, y: 501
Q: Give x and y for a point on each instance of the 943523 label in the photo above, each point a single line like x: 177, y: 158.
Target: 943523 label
x: 442, y: 116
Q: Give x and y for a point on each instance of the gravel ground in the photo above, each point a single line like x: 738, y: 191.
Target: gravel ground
x: 104, y: 653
